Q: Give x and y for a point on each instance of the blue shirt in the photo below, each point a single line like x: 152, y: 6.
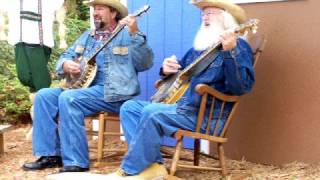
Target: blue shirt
x: 230, y: 73
x: 118, y: 63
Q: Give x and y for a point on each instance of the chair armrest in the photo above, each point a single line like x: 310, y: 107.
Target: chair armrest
x: 203, y: 89
x: 197, y: 135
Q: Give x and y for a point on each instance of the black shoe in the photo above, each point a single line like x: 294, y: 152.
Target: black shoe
x: 73, y: 169
x: 43, y: 163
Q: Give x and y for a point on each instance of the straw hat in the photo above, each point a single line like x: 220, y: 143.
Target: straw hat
x: 236, y: 11
x: 116, y: 4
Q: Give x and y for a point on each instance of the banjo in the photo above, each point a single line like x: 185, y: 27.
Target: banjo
x: 173, y: 87
x: 88, y: 66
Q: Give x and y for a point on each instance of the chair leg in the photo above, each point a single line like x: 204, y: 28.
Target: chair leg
x: 196, y: 153
x: 88, y: 125
x: 176, y: 157
x: 102, y: 128
x: 222, y: 160
x: 1, y: 144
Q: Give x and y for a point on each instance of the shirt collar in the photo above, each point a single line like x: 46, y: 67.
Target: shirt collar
x: 95, y: 33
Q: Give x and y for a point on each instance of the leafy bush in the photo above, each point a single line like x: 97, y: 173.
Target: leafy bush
x: 55, y: 54
x: 83, y: 10
x: 6, y: 52
x: 14, y: 98
x: 75, y: 27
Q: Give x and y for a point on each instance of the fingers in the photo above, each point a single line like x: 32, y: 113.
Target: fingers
x: 228, y: 40
x: 170, y: 65
x: 71, y: 67
x: 74, y: 69
x: 131, y: 22
x: 172, y: 62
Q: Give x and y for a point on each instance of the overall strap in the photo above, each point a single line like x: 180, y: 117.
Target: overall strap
x: 32, y: 16
x: 40, y: 22
x: 21, y: 5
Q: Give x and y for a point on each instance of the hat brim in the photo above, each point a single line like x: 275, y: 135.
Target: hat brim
x: 111, y: 3
x: 236, y: 11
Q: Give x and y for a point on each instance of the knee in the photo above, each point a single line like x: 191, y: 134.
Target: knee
x: 42, y: 94
x: 150, y: 110
x: 127, y: 107
x: 66, y: 97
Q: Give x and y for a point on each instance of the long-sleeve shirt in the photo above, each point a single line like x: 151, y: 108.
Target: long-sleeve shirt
x: 118, y: 63
x: 230, y: 73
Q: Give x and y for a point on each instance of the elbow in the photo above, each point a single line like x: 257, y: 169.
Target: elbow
x: 145, y: 65
x: 241, y: 88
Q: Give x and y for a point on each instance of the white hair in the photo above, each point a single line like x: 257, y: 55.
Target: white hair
x: 229, y: 21
x: 208, y: 36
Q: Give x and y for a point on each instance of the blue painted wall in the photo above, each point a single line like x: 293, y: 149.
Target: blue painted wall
x: 170, y: 26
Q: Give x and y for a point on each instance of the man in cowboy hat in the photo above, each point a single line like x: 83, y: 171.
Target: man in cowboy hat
x: 116, y: 81
x: 231, y: 72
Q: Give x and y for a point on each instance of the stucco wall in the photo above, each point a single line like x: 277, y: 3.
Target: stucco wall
x: 279, y: 121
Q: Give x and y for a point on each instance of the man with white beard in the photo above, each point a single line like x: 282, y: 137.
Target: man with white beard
x: 145, y: 123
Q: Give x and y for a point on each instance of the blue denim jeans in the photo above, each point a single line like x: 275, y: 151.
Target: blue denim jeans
x: 144, y: 124
x: 66, y: 138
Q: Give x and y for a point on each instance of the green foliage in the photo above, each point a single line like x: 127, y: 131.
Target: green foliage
x: 6, y: 52
x: 77, y: 20
x: 77, y: 10
x: 55, y: 54
x: 75, y: 27
x: 83, y: 11
x: 14, y: 98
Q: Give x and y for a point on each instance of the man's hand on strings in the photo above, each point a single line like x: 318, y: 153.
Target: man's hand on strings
x: 131, y: 22
x: 170, y: 65
x: 71, y: 67
x: 228, y: 40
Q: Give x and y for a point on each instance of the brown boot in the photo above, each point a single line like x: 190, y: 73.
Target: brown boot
x: 154, y: 172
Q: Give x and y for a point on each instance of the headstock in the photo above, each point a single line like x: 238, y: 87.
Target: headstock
x: 140, y: 11
x: 250, y: 25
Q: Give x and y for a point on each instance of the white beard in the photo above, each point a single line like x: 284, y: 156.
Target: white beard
x: 207, y: 36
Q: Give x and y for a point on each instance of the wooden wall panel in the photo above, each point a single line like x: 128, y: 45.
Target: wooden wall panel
x: 279, y: 122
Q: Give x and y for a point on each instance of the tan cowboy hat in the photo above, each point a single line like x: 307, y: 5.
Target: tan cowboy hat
x: 236, y: 11
x: 116, y: 4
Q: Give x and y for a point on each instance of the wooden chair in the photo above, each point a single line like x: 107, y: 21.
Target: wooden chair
x: 257, y: 43
x: 102, y: 133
